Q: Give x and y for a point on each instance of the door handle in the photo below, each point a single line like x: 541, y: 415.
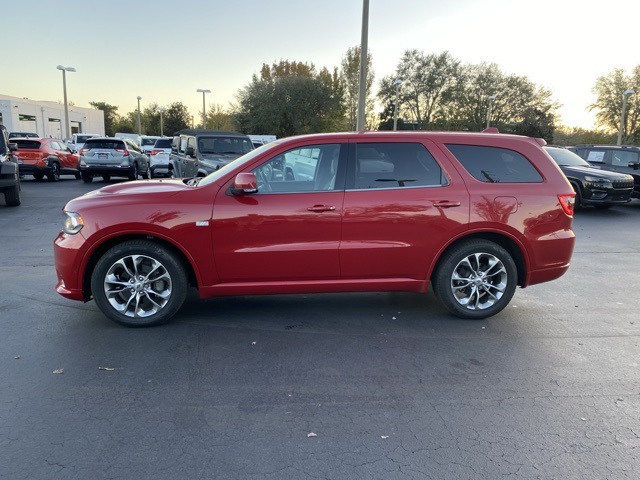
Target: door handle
x: 321, y: 208
x: 446, y: 204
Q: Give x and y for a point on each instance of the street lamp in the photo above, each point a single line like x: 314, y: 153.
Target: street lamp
x: 396, y: 84
x: 161, y: 110
x: 139, y: 122
x: 362, y: 85
x: 624, y: 107
x: 204, y: 113
x: 66, y: 105
x: 491, y: 99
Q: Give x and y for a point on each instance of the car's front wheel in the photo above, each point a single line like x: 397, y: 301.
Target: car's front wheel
x: 12, y: 196
x: 476, y: 279
x: 139, y: 284
x: 86, y: 178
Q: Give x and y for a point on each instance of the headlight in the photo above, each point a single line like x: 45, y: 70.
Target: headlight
x: 73, y: 223
x: 598, y: 181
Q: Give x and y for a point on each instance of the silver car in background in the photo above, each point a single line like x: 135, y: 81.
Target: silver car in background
x: 112, y: 157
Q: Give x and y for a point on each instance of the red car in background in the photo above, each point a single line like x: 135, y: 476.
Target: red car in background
x: 45, y: 156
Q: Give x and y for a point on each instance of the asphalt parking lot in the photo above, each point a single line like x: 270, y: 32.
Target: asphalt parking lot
x: 350, y: 386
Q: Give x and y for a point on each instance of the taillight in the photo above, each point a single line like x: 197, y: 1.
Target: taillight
x: 155, y: 152
x: 567, y: 201
x: 125, y: 152
x: 82, y: 150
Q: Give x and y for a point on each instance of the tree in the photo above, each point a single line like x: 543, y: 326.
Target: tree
x: 573, y: 136
x: 428, y: 86
x: 608, y: 105
x: 110, y: 116
x: 176, y: 118
x: 218, y: 118
x: 350, y: 77
x: 290, y: 98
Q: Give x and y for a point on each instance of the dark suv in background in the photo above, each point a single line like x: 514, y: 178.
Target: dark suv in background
x: 9, y: 175
x: 615, y: 158
x: 197, y: 152
x: 593, y: 186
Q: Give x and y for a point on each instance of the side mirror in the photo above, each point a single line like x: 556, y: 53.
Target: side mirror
x: 13, y: 147
x: 245, y: 183
x: 634, y: 165
x: 190, y: 152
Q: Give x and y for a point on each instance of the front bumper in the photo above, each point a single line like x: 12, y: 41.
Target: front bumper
x: 67, y: 253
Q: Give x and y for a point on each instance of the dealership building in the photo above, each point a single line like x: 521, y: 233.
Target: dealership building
x: 47, y: 118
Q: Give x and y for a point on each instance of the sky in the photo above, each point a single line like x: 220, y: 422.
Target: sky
x: 163, y: 51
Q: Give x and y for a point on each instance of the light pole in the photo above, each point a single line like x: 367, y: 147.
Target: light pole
x: 491, y: 99
x: 161, y: 110
x: 396, y: 84
x: 624, y: 107
x: 362, y: 86
x: 204, y: 113
x: 139, y: 122
x: 66, y: 105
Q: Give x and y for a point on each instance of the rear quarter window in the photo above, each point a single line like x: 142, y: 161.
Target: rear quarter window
x: 495, y: 164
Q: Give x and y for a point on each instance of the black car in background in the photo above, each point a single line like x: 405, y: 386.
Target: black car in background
x: 593, y: 186
x: 615, y: 158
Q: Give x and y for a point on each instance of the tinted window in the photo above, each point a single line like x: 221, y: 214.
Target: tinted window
x: 564, y: 157
x: 224, y: 145
x: 495, y: 165
x: 622, y: 158
x: 163, y: 143
x: 26, y: 143
x: 147, y: 141
x: 396, y: 165
x: 110, y: 144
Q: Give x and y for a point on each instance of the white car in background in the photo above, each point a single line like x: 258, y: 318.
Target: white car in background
x: 78, y: 139
x: 147, y: 142
x: 159, y: 158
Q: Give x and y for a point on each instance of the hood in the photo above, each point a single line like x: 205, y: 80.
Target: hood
x: 161, y: 186
x: 594, y: 171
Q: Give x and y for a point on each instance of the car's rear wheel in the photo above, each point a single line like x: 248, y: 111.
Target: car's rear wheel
x: 38, y: 176
x: 139, y: 284
x: 78, y: 175
x: 54, y: 172
x: 145, y: 175
x: 476, y: 279
x: 86, y: 178
x: 106, y: 178
x: 12, y: 196
x: 134, y: 173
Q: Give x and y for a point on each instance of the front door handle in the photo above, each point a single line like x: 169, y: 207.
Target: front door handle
x: 446, y: 204
x: 321, y: 208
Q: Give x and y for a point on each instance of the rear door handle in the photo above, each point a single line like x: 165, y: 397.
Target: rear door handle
x: 321, y: 208
x: 446, y: 204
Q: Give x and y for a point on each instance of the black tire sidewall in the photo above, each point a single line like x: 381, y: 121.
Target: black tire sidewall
x: 54, y: 176
x: 442, y: 278
x: 150, y: 249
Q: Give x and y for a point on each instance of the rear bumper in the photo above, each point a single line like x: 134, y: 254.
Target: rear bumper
x: 98, y: 170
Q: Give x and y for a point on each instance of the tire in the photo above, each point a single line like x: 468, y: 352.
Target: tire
x: 54, y: 174
x: 134, y: 174
x: 86, y: 178
x: 145, y: 175
x: 578, y: 201
x: 78, y: 175
x: 138, y: 302
x: 12, y: 196
x: 172, y: 173
x: 106, y: 178
x: 38, y: 176
x: 476, y: 279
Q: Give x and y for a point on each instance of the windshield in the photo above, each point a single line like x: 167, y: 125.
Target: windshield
x: 84, y: 138
x: 147, y: 141
x: 224, y: 145
x: 565, y: 158
x: 239, y: 163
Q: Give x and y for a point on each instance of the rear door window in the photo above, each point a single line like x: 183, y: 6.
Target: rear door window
x: 495, y: 165
x: 395, y: 165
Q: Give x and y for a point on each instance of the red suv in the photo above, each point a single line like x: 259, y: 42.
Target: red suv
x: 473, y: 214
